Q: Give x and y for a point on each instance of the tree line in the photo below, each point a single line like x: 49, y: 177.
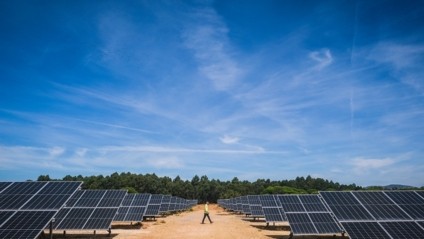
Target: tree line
x: 203, y: 188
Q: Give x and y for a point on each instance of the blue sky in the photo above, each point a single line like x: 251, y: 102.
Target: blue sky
x: 247, y: 89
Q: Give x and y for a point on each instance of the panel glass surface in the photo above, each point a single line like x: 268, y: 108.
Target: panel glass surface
x: 312, y: 203
x: 291, y: 203
x: 112, y: 198
x: 152, y: 210
x: 324, y: 223
x: 403, y: 230
x: 4, y: 185
x: 350, y: 212
x: 339, y: 198
x: 256, y: 211
x: 405, y: 197
x: 365, y: 230
x: 268, y: 201
x: 273, y: 214
x: 301, y: 224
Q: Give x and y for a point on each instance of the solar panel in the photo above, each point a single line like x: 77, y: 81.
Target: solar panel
x: 324, y: 223
x: 410, y: 202
x: 291, y: 203
x: 152, y: 210
x: 164, y: 207
x: 245, y: 205
x: 90, y: 209
x: 380, y: 206
x: 101, y: 218
x: 135, y: 214
x: 133, y: 208
x: 301, y: 224
x: 403, y: 230
x: 255, y: 206
x: 365, y: 230
x: 26, y: 224
x: 274, y: 214
x: 312, y: 203
x: 345, y: 206
x: 256, y: 211
x: 4, y: 185
x: 421, y: 193
x: 30, y: 206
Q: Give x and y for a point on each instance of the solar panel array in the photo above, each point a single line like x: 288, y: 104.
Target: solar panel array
x: 372, y: 214
x: 90, y: 209
x: 135, y: 207
x: 307, y: 215
x: 271, y: 206
x: 362, y: 214
x: 26, y: 208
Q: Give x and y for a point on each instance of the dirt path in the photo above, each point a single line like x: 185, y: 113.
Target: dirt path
x: 187, y: 225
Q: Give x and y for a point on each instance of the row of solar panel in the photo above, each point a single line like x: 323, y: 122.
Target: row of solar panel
x: 306, y: 214
x: 331, y: 212
x: 27, y: 208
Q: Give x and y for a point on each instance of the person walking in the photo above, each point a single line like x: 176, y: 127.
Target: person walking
x: 206, y: 213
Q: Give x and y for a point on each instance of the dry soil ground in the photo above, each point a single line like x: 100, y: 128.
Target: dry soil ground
x: 188, y: 225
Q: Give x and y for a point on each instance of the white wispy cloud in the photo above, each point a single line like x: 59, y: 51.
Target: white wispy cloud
x: 363, y: 165
x: 227, y: 139
x: 322, y: 57
x: 165, y: 163
x: 207, y: 38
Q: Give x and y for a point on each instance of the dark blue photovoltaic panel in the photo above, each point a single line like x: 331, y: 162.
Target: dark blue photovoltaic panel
x: 377, y: 198
x: 5, y: 215
x: 74, y: 199
x: 72, y: 218
x: 4, y: 185
x: 380, y: 206
x: 90, y: 198
x: 135, y: 214
x: 405, y: 197
x: 34, y: 204
x: 421, y: 193
x: 410, y: 202
x: 143, y: 199
x: 403, y: 230
x: 13, y: 201
x: 152, y: 210
x: 121, y: 214
x: 268, y: 201
x: 26, y: 224
x: 291, y: 203
x: 300, y: 224
x: 256, y: 211
x: 254, y: 199
x: 339, y: 198
x: 92, y: 209
x: 274, y: 214
x: 345, y: 206
x: 101, y: 218
x: 324, y: 223
x: 128, y: 199
x: 62, y: 188
x: 312, y: 203
x: 112, y: 198
x: 365, y: 230
x: 29, y: 188
x: 350, y: 212
x: 156, y: 199
x: 387, y: 212
x: 53, y: 195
